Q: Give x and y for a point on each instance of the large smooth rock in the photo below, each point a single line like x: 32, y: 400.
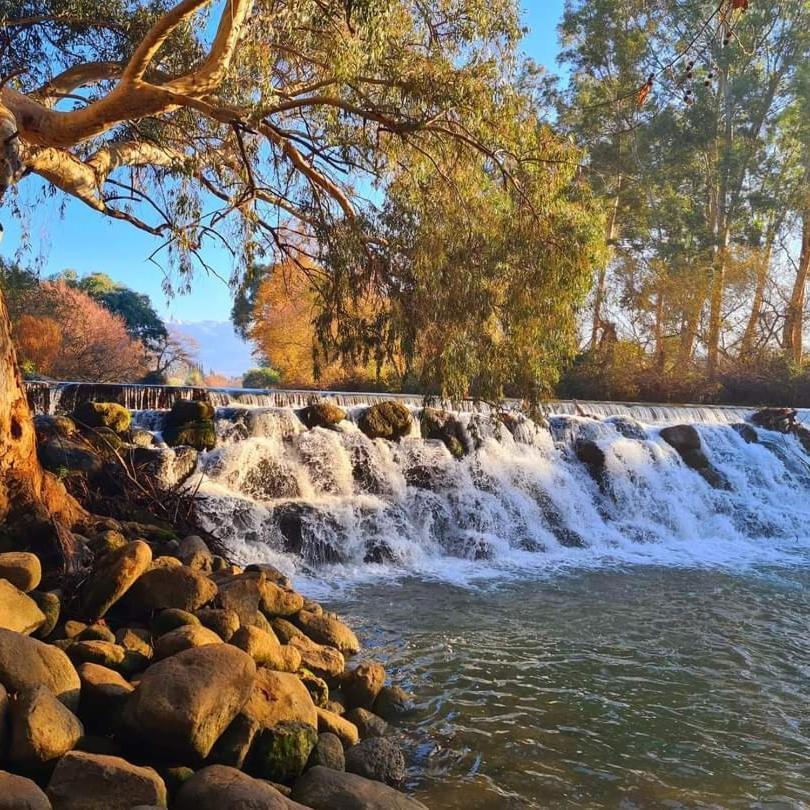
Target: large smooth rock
x: 280, y: 697
x: 26, y: 662
x: 174, y: 587
x: 242, y: 594
x: 194, y: 553
x: 218, y: 787
x: 326, y: 789
x: 263, y: 647
x: 328, y: 751
x: 681, y: 437
x: 104, y: 691
x: 327, y: 629
x: 184, y: 638
x: 105, y: 653
x: 42, y: 728
x: 18, y: 611
x: 340, y: 726
x: 280, y: 753
x: 185, y: 702
x: 362, y: 685
x: 22, y: 569
x: 278, y: 601
x: 50, y: 603
x: 393, y: 703
x: 83, y: 781
x: 377, y: 758
x: 223, y: 622
x: 321, y: 414
x: 19, y: 793
x: 368, y: 724
x: 103, y: 415
x: 115, y: 574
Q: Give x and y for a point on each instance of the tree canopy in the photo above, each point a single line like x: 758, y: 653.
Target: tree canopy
x: 323, y: 132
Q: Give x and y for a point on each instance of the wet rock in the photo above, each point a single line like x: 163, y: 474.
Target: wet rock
x: 682, y: 437
x: 218, y: 787
x: 223, y: 622
x: 19, y: 793
x: 321, y: 659
x: 21, y: 569
x: 26, y: 663
x: 340, y: 726
x: 781, y: 420
x: 176, y: 587
x: 183, y: 703
x: 194, y: 553
x: 592, y: 456
x: 270, y: 479
x: 114, y: 575
x: 368, y: 724
x: 18, y: 611
x: 328, y: 752
x: 326, y: 789
x: 280, y: 753
x: 377, y: 758
x: 445, y: 427
x: 83, y: 781
x: 308, y: 532
x: 190, y: 422
x: 393, y: 703
x: 42, y: 728
x: 278, y: 601
x: 329, y: 630
x: 321, y: 414
x: 103, y: 415
x: 628, y: 427
x: 386, y: 420
x: 184, y: 638
x: 362, y: 685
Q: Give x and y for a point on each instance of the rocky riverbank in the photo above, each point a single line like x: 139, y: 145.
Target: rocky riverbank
x: 152, y: 672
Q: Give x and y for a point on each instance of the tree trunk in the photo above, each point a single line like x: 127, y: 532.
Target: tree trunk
x: 25, y: 488
x: 794, y: 319
x: 763, y: 267
x: 610, y: 236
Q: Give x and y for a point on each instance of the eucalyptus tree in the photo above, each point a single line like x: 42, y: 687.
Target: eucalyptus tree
x: 270, y: 127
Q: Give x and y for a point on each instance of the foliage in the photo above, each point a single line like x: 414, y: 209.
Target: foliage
x: 260, y: 378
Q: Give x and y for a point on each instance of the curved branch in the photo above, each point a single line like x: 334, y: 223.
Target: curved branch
x: 78, y: 76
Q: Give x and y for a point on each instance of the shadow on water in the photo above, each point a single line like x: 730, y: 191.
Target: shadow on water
x: 643, y: 688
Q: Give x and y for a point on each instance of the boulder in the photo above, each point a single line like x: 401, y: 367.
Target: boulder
x: 18, y: 611
x: 326, y: 789
x: 263, y: 647
x: 189, y: 410
x: 280, y: 697
x: 176, y: 587
x: 321, y: 659
x: 26, y: 662
x: 393, y: 703
x: 190, y: 422
x: 116, y: 572
x: 96, y: 632
x: 21, y: 569
x: 368, y: 724
x: 317, y: 687
x: 340, y: 726
x: 103, y: 415
x: 104, y: 691
x: 105, y: 653
x: 446, y: 428
x: 137, y: 646
x: 83, y: 781
x: 223, y: 622
x: 19, y: 793
x: 64, y: 454
x: 172, y: 618
x: 681, y: 437
x: 386, y: 420
x: 592, y: 456
x: 241, y: 594
x: 106, y: 541
x: 42, y: 728
x: 748, y: 434
x: 329, y: 630
x: 362, y: 685
x: 280, y: 753
x: 50, y: 604
x: 377, y: 758
x: 321, y: 414
x: 782, y: 420
x: 194, y: 553
x: 218, y: 787
x: 278, y: 601
x: 328, y: 752
x: 183, y: 703
x: 184, y: 638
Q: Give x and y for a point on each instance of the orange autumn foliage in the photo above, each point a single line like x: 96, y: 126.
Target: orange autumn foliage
x: 39, y: 340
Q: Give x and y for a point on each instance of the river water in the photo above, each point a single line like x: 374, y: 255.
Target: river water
x: 629, y: 686
x: 631, y: 635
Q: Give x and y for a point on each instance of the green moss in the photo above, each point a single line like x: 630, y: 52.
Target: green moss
x: 281, y: 753
x: 200, y: 435
x: 386, y: 420
x: 186, y: 411
x: 103, y: 414
x: 321, y: 414
x: 317, y: 687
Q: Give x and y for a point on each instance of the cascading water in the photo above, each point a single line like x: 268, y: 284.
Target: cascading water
x: 275, y: 491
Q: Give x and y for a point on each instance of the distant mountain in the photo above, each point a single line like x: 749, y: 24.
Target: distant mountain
x: 220, y: 348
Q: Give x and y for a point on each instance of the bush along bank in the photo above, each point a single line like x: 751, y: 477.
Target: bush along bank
x: 162, y: 675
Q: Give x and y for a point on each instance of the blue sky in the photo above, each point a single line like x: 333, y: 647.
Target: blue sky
x: 78, y: 238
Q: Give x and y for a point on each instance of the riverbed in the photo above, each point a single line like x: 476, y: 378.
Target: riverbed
x: 632, y: 687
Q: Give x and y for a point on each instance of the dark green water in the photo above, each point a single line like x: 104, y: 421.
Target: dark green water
x: 641, y: 688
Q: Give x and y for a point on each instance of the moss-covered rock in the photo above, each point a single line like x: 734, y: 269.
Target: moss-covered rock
x: 103, y: 414
x: 280, y: 753
x: 321, y: 414
x: 386, y: 420
x: 200, y: 435
x: 190, y: 410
